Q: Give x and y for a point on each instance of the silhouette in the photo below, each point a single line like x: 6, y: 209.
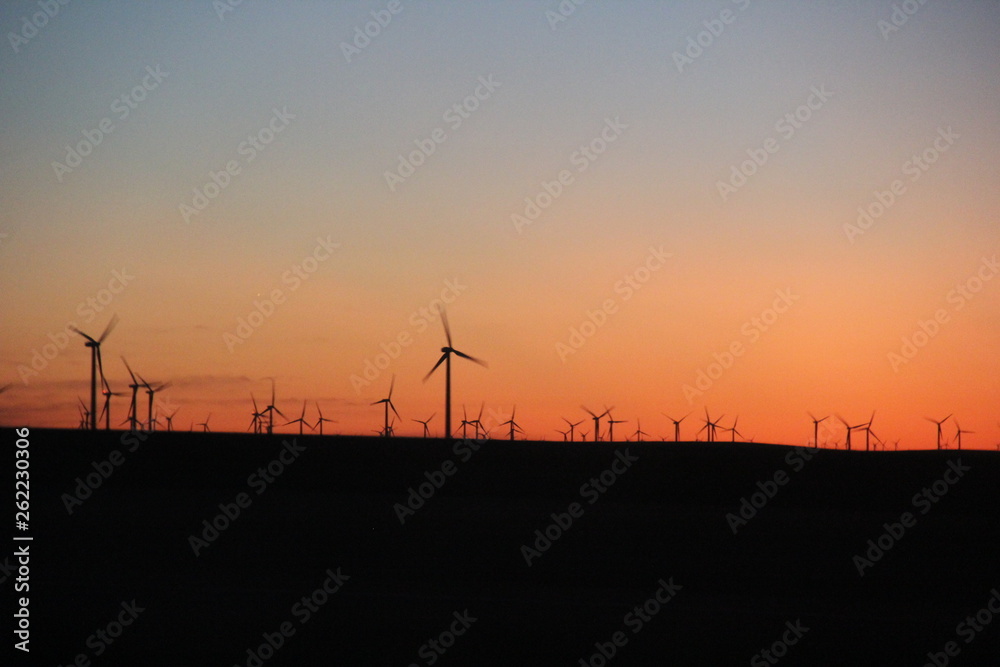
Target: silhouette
x: 850, y: 428
x: 95, y: 362
x: 611, y: 426
x: 425, y: 422
x: 321, y: 419
x: 132, y: 418
x: 446, y: 353
x: 150, y: 390
x: 868, y: 431
x: 387, y: 402
x: 733, y: 430
x: 934, y: 421
x: 597, y: 420
x: 106, y: 411
x: 513, y: 424
x: 958, y: 434
x: 677, y: 424
x: 170, y: 420
x: 572, y: 428
x: 271, y: 409
x: 638, y: 430
x: 301, y: 420
x: 204, y: 424
x: 257, y: 417
x: 816, y: 428
x: 710, y: 427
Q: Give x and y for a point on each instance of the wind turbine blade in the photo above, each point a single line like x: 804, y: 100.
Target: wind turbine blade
x: 73, y: 328
x: 589, y: 411
x: 393, y: 408
x: 440, y: 361
x: 447, y: 329
x: 129, y: 370
x: 391, y: 385
x: 465, y: 356
x: 107, y: 329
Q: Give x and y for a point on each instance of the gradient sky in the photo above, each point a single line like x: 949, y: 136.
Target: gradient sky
x: 345, y: 120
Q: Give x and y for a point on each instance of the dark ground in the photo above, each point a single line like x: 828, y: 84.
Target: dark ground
x: 663, y: 519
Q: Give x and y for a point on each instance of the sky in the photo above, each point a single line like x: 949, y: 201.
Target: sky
x: 756, y: 208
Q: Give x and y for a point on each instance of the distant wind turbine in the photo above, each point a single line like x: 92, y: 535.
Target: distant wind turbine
x: 271, y: 409
x: 733, y: 430
x: 958, y: 433
x: 710, y: 426
x: 301, y: 420
x: 514, y: 426
x: 204, y: 424
x: 425, y: 422
x: 572, y: 427
x: 597, y: 420
x: 638, y: 430
x: 95, y: 361
x: 106, y: 411
x: 387, y: 402
x: 816, y: 423
x: 850, y: 428
x: 938, y: 422
x: 446, y: 353
x: 133, y: 417
x: 170, y: 420
x: 611, y: 426
x: 150, y: 391
x: 321, y: 419
x: 677, y: 424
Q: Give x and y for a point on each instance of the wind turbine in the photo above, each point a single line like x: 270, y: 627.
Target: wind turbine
x: 710, y: 426
x: 84, y: 415
x: 204, y: 424
x: 816, y: 428
x: 733, y: 430
x: 271, y: 409
x: 513, y: 424
x: 572, y: 428
x: 565, y: 433
x: 597, y: 420
x: 301, y: 420
x: 465, y: 423
x: 850, y: 428
x: 446, y: 353
x: 611, y: 426
x: 256, y: 416
x: 677, y: 424
x: 170, y: 420
x: 425, y: 422
x: 868, y: 431
x: 95, y: 360
x: 958, y: 433
x: 133, y: 417
x: 106, y: 412
x: 322, y: 419
x: 387, y: 402
x: 934, y: 421
x: 150, y: 390
x: 638, y: 430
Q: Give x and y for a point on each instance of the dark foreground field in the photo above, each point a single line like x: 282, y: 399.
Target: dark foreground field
x: 451, y: 585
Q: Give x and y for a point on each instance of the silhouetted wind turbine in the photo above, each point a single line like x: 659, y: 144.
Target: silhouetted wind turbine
x: 477, y: 423
x: 446, y: 353
x: 677, y: 424
x: 935, y: 421
x: 106, y: 412
x: 425, y: 422
x: 95, y: 357
x: 958, y: 433
x: 150, y: 391
x: 611, y: 426
x: 387, y: 402
x: 564, y: 433
x: 84, y: 414
x: 301, y: 420
x: 733, y: 430
x: 572, y: 428
x: 256, y: 416
x: 133, y: 418
x: 638, y: 430
x: 849, y: 429
x: 597, y: 420
x: 204, y: 424
x: 816, y: 427
x: 710, y: 426
x: 465, y: 423
x: 513, y: 424
x: 170, y: 420
x: 271, y: 409
x: 868, y: 431
x: 322, y: 419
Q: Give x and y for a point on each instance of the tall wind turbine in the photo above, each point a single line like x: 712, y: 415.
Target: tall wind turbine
x: 446, y: 353
x: 611, y: 426
x: 958, y: 433
x: 204, y: 424
x: 597, y: 420
x: 733, y: 430
x: 425, y: 422
x: 387, y: 402
x: 868, y: 431
x: 133, y: 417
x: 170, y: 420
x: 572, y: 428
x: 816, y: 423
x: 638, y: 430
x: 271, y: 409
x: 301, y: 420
x: 95, y: 360
x: 150, y: 391
x: 322, y: 419
x: 677, y: 424
x: 106, y: 411
x: 849, y: 429
x: 513, y: 424
x: 935, y: 421
x: 710, y: 426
